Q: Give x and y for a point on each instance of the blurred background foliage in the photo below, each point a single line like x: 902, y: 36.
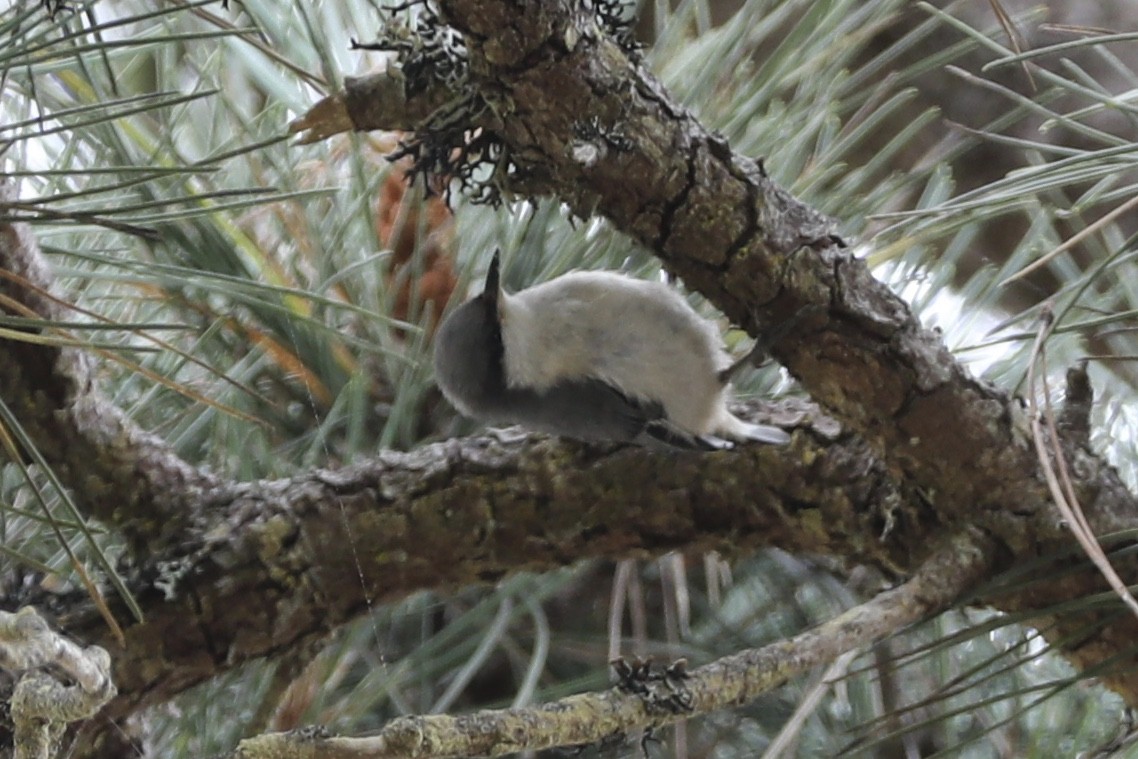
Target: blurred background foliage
x: 266, y: 307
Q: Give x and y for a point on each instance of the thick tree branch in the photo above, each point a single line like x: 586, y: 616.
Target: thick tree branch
x: 738, y: 238
x: 287, y: 561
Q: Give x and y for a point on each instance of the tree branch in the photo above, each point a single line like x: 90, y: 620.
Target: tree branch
x: 647, y: 698
x: 258, y: 568
x: 272, y: 571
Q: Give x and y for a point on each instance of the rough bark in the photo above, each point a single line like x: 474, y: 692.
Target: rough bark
x: 272, y: 571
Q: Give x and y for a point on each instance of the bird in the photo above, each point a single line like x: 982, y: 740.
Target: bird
x: 598, y: 356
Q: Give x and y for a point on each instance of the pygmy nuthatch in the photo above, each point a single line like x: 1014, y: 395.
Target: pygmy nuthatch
x: 592, y: 355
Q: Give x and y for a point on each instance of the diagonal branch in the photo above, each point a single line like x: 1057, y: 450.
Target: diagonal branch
x: 647, y: 698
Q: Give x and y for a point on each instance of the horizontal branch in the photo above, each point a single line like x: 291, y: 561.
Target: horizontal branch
x: 234, y: 572
x: 285, y: 561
